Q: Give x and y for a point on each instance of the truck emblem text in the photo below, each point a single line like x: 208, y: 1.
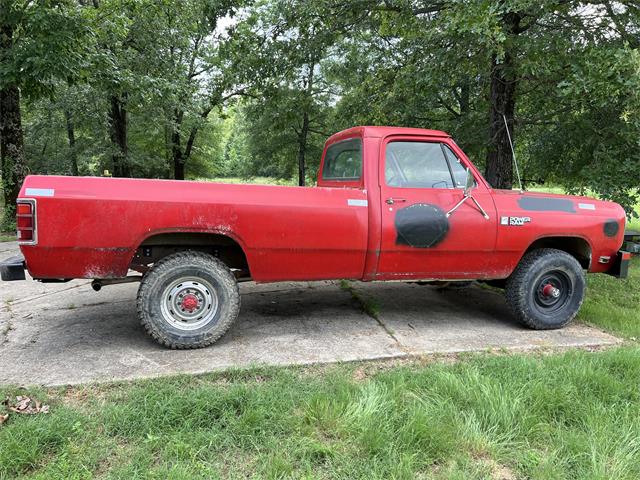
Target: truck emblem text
x: 514, y: 221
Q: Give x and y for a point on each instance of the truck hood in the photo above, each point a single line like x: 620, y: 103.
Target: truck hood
x: 553, y: 202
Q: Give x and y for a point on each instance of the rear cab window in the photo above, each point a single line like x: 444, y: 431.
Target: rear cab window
x: 343, y: 163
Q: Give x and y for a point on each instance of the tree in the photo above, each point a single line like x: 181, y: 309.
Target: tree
x: 587, y: 138
x: 142, y: 87
x: 65, y: 133
x: 40, y: 43
x: 292, y: 96
x: 466, y: 66
x: 112, y: 70
x: 399, y: 68
x: 180, y: 42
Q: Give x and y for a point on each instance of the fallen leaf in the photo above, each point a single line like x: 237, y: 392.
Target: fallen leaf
x: 22, y: 402
x: 27, y: 406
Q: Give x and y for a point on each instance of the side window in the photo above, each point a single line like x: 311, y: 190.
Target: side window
x: 343, y: 161
x: 457, y: 169
x: 417, y: 165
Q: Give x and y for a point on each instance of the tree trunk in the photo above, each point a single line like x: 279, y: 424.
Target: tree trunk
x: 465, y: 99
x: 304, y: 131
x: 73, y: 157
x: 12, y: 158
x: 502, y: 101
x: 302, y: 149
x: 176, y: 146
x: 118, y: 134
x: 178, y: 169
x: 180, y: 157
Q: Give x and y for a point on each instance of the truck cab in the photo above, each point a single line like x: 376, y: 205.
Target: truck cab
x: 433, y: 216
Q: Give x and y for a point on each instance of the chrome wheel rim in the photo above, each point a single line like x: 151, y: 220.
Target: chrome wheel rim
x: 189, y: 303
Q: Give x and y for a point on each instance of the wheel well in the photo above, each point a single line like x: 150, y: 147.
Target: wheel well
x: 575, y: 246
x: 159, y: 246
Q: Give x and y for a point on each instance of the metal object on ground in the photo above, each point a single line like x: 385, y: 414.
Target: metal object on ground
x: 12, y: 268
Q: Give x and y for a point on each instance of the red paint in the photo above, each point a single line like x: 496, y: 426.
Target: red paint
x: 465, y: 250
x: 190, y: 302
x: 548, y: 290
x: 91, y: 227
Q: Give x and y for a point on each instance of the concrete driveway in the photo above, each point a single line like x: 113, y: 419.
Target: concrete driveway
x: 56, y: 334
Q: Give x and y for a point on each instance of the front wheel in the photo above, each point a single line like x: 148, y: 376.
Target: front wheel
x: 546, y: 289
x: 188, y: 300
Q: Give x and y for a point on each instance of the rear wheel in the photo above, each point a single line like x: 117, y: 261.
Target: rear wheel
x: 547, y: 289
x: 188, y: 300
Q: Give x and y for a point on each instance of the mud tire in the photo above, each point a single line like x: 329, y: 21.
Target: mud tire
x: 525, y: 286
x: 192, y: 265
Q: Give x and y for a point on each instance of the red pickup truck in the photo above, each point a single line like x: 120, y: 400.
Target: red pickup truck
x: 390, y: 204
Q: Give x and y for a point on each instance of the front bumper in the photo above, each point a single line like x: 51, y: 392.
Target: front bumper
x: 620, y: 268
x: 12, y: 268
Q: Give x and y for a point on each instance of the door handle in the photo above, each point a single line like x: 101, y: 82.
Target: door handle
x: 392, y: 200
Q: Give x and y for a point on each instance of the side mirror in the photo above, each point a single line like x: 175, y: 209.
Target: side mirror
x: 469, y: 183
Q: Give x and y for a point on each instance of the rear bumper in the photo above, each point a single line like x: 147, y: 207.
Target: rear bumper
x: 12, y: 268
x: 620, y: 268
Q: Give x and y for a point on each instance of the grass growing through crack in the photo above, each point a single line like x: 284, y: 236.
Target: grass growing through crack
x: 367, y: 304
x: 571, y: 415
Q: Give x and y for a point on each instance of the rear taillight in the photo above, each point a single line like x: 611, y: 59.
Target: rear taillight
x: 26, y: 221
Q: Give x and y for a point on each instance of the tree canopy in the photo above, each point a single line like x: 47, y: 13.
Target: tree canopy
x: 211, y: 88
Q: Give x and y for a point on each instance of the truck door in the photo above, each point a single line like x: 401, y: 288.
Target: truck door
x: 421, y: 179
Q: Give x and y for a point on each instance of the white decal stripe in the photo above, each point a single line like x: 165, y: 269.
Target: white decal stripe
x: 353, y: 202
x: 39, y: 192
x: 587, y: 206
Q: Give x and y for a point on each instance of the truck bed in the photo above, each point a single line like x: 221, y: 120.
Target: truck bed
x: 91, y: 227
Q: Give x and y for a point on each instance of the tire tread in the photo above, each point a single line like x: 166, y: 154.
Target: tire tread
x: 517, y: 296
x: 164, y: 266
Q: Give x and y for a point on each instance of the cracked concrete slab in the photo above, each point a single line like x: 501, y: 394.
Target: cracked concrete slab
x: 55, y: 334
x: 429, y: 319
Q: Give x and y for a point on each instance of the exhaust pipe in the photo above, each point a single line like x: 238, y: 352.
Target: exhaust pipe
x: 97, y: 284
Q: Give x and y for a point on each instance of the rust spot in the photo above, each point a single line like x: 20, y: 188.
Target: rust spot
x: 112, y: 249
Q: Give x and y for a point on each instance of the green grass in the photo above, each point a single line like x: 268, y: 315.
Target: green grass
x: 614, y: 304
x: 572, y: 415
x: 7, y: 237
x: 546, y: 189
x: 249, y: 180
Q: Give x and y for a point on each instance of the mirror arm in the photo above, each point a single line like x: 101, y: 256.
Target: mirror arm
x: 464, y: 199
x: 484, y: 214
x: 455, y: 207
